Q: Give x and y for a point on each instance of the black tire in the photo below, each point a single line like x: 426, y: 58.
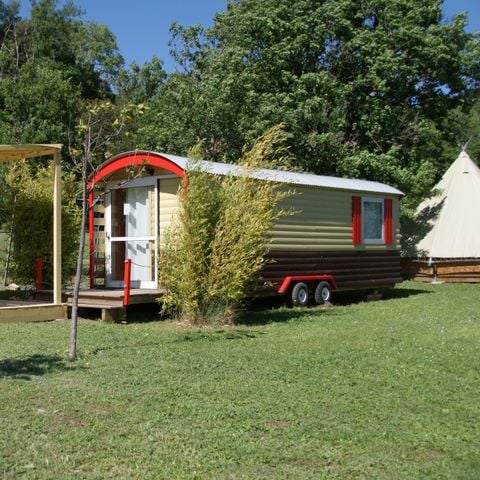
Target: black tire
x: 300, y: 295
x: 323, y: 293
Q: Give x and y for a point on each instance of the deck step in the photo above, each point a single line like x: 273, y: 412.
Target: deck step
x: 98, y: 302
x: 97, y: 305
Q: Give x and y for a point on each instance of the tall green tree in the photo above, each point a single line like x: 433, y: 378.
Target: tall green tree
x: 39, y: 106
x: 365, y: 87
x: 48, y: 62
x: 139, y: 84
x: 463, y: 130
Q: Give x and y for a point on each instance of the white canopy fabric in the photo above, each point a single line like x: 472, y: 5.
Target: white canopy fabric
x: 451, y: 219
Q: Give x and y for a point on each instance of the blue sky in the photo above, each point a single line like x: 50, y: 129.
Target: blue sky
x: 142, y: 26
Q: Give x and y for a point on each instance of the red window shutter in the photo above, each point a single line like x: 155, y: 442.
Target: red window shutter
x: 388, y: 221
x: 356, y: 220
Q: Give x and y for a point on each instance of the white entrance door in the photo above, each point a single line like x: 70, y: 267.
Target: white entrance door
x: 131, y: 223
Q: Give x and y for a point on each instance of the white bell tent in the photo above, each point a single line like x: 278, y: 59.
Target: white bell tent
x: 445, y: 241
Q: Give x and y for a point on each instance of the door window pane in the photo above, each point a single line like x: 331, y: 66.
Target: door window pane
x: 118, y: 217
x: 142, y: 254
x: 118, y: 260
x: 138, y: 212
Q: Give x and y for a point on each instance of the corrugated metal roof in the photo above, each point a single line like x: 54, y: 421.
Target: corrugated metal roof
x: 306, y: 179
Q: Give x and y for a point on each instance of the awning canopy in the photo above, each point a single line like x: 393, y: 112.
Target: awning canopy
x: 17, y: 152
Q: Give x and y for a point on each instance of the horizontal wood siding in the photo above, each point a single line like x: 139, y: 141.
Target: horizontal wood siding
x: 323, y: 221
x: 350, y: 270
x: 167, y: 204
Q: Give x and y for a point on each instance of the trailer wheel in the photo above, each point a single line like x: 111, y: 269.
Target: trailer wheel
x: 300, y: 295
x: 323, y: 293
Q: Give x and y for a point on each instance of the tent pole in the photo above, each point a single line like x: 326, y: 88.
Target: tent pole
x: 57, y: 230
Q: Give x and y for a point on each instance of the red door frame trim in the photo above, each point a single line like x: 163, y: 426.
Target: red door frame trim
x: 113, y: 165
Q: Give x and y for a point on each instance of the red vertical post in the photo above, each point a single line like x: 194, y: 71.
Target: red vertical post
x: 126, y: 281
x: 91, y: 234
x: 39, y: 274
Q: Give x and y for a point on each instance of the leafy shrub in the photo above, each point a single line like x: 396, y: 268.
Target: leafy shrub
x: 215, y: 249
x: 29, y: 197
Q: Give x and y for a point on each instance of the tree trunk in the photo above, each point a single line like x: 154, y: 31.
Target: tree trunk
x: 72, y: 350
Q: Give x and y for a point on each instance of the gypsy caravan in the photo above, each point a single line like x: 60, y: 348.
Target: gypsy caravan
x: 344, y: 234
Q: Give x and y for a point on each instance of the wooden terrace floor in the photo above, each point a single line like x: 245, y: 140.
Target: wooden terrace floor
x: 109, y: 301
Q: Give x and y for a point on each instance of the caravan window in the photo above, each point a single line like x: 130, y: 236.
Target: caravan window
x: 372, y: 220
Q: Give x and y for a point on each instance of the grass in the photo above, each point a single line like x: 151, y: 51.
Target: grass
x: 388, y: 390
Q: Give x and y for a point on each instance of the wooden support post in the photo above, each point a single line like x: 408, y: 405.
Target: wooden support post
x: 126, y: 282
x: 39, y: 274
x: 57, y: 230
x: 113, y: 315
x: 374, y: 295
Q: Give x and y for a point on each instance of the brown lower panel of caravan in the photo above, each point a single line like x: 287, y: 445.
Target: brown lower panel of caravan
x: 350, y: 270
x: 466, y: 271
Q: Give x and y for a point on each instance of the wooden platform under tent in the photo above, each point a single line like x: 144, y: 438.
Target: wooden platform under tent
x: 442, y: 270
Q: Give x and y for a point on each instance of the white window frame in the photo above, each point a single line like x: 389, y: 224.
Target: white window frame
x: 373, y: 241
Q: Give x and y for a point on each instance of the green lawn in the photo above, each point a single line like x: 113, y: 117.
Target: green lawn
x: 381, y: 390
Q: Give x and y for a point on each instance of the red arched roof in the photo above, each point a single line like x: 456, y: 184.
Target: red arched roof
x: 130, y: 159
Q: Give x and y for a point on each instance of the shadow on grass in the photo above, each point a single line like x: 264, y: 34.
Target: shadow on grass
x: 262, y: 311
x: 282, y: 315
x: 351, y: 298
x: 403, y: 293
x: 143, y: 313
x: 35, y: 365
x: 126, y: 347
x: 216, y: 335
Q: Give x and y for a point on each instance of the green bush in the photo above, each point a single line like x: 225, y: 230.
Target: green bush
x: 215, y: 249
x: 29, y: 196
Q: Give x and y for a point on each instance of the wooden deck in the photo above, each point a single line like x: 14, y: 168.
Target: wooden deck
x: 109, y: 301
x: 16, y: 311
